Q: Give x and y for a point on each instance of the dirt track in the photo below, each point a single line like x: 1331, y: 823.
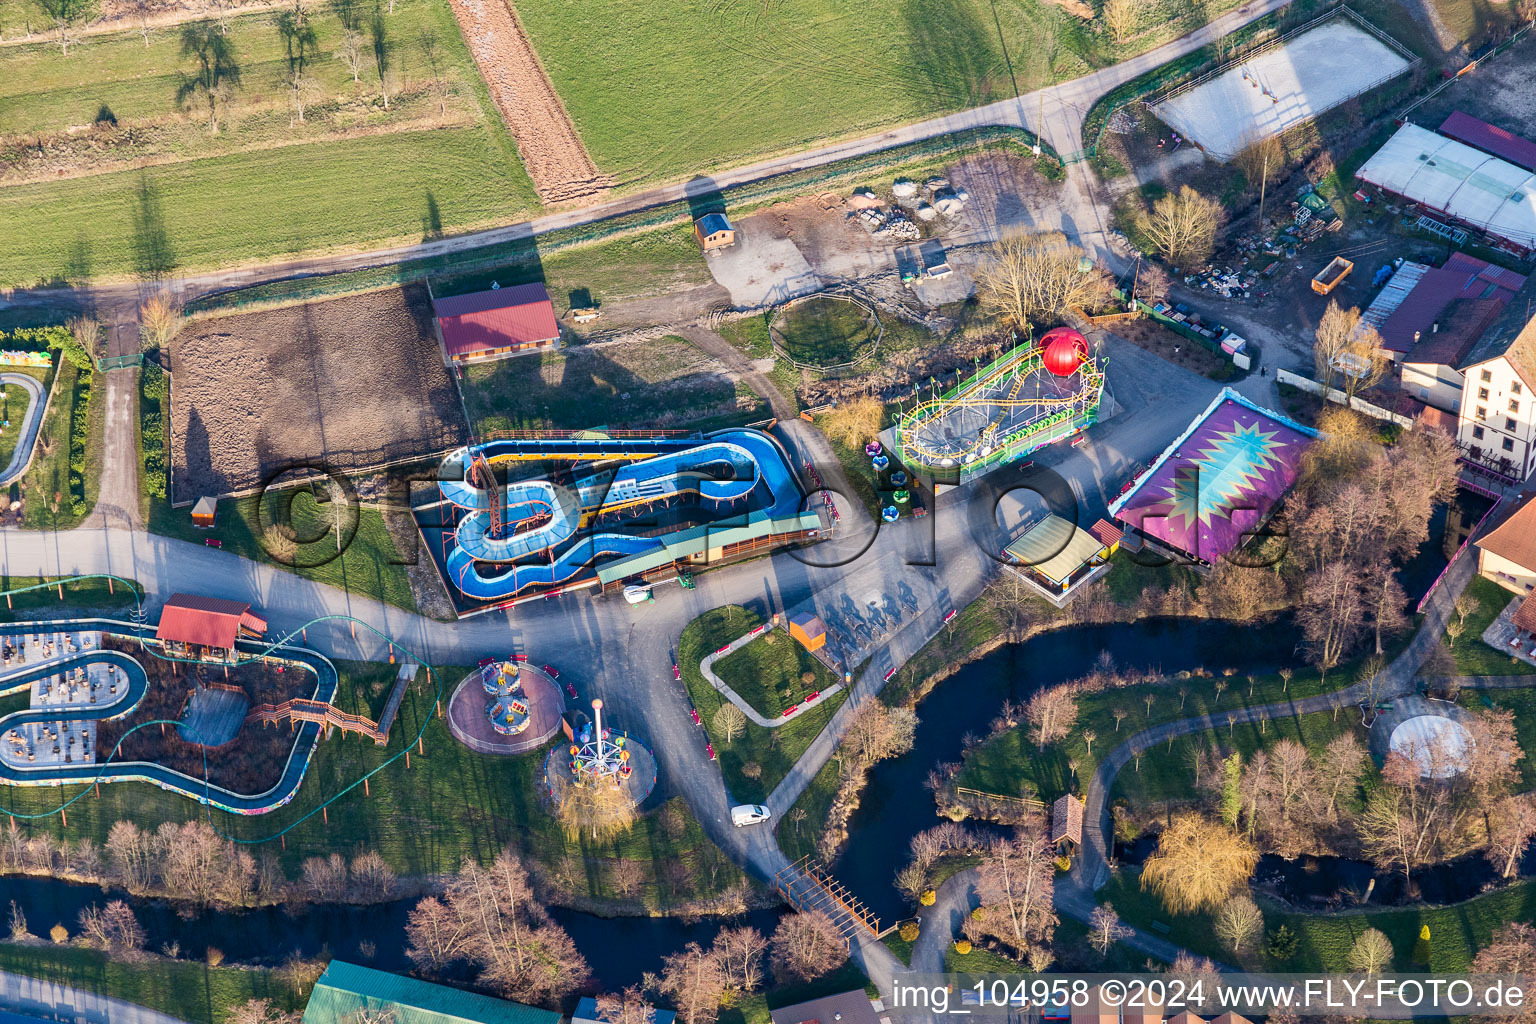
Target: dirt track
x: 554, y: 154
x: 348, y: 383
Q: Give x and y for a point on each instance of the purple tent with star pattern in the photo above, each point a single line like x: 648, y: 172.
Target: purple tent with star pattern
x: 1217, y: 483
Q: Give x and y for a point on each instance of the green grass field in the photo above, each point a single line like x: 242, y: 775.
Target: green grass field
x: 49, y: 474
x: 767, y: 673
x: 449, y: 804
x: 1473, y: 657
x: 13, y: 408
x: 1457, y: 932
x: 439, y: 160
x: 773, y: 751
x: 252, y: 206
x: 93, y: 594
x: 190, y: 990
x: 775, y: 78
x: 367, y: 566
x: 824, y: 331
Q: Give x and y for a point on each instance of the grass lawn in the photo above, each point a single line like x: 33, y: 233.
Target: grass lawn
x: 798, y: 837
x: 49, y: 475
x: 777, y: 79
x: 13, y: 408
x: 449, y: 804
x: 439, y: 159
x: 632, y: 266
x: 665, y: 381
x: 825, y: 331
x: 189, y: 990
x: 367, y: 566
x: 90, y: 595
x: 258, y: 205
x: 1457, y: 932
x: 1473, y: 657
x: 768, y: 673
x: 772, y: 751
x: 749, y: 334
x: 1011, y: 764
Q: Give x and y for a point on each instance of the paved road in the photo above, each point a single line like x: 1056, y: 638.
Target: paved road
x: 54, y: 1001
x: 1064, y: 105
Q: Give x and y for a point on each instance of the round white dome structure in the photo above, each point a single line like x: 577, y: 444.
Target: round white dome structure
x: 1438, y: 745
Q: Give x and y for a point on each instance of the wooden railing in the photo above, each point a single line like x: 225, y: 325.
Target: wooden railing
x: 330, y: 717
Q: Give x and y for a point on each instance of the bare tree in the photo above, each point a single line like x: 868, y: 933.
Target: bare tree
x: 160, y: 320
x: 1340, y: 767
x: 1016, y: 882
x: 132, y: 853
x: 1052, y: 712
x: 1182, y: 226
x: 695, y: 981
x: 436, y: 936
x: 326, y: 877
x: 1371, y: 953
x: 1198, y: 865
x: 1333, y: 338
x: 875, y: 732
x: 66, y: 14
x: 1332, y: 614
x: 1028, y: 278
x: 351, y: 52
x: 302, y: 90
x: 217, y: 71
x: 87, y: 331
x: 627, y: 1007
x: 729, y: 721
x: 1260, y: 161
x: 373, y: 880
x: 112, y: 928
x: 1120, y: 17
x: 260, y: 1011
x: 1105, y: 929
x: 1512, y: 950
x: 626, y: 876
x: 1239, y: 923
x: 1512, y: 826
x: 741, y: 952
x: 805, y: 946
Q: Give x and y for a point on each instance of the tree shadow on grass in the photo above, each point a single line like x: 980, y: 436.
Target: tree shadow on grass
x: 154, y: 257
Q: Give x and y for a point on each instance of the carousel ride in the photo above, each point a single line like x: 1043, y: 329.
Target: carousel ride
x: 601, y: 774
x: 1028, y: 397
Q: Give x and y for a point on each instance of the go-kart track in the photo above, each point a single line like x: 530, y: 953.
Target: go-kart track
x: 1028, y: 397
x: 1276, y: 88
x: 14, y: 679
x: 542, y: 533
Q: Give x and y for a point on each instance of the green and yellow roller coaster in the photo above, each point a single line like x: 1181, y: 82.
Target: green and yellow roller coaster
x: 1028, y: 397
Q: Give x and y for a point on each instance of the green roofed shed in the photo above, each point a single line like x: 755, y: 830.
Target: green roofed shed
x: 345, y: 989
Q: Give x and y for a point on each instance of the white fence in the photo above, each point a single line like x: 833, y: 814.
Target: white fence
x: 1338, y: 397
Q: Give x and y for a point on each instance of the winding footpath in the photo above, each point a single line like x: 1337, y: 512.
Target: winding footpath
x: 31, y: 421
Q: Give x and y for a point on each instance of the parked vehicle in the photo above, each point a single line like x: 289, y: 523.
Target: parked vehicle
x: 749, y: 814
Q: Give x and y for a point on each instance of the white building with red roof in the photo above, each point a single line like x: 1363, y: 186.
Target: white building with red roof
x: 495, y: 324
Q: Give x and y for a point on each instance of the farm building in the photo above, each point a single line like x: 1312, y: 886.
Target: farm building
x: 193, y: 621
x: 1496, y: 424
x: 346, y: 993
x: 1506, y: 554
x: 714, y: 231
x: 1215, y: 486
x: 1459, y: 184
x: 1490, y: 139
x: 495, y: 324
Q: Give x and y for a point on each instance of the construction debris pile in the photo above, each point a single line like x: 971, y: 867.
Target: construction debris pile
x: 927, y: 203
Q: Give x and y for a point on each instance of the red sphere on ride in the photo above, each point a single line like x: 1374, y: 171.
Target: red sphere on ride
x: 1063, y: 350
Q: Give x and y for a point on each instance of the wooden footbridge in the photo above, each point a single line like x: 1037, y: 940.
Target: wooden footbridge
x: 808, y: 885
x: 329, y: 717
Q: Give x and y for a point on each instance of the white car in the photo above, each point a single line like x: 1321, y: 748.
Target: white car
x: 749, y: 814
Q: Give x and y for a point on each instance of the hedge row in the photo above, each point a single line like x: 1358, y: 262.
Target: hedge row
x: 47, y: 339
x: 154, y: 391
x: 79, y: 433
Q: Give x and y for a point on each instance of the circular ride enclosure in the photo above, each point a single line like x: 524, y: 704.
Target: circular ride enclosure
x: 826, y: 331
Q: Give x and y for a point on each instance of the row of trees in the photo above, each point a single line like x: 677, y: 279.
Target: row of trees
x: 191, y: 863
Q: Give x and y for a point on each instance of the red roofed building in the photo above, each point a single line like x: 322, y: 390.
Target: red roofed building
x: 495, y: 324
x: 1490, y: 139
x: 193, y: 620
